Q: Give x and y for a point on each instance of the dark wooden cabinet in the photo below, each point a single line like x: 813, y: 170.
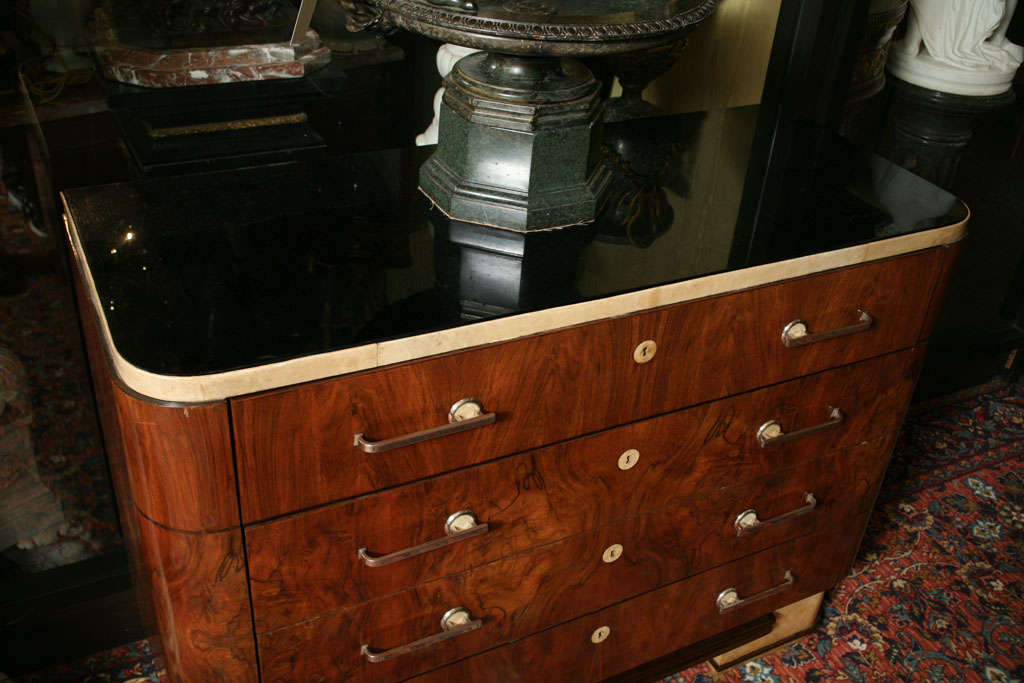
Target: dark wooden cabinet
x: 306, y: 564
x: 580, y: 572
x: 636, y: 468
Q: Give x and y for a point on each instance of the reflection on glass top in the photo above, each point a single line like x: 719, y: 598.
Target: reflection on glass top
x: 219, y: 271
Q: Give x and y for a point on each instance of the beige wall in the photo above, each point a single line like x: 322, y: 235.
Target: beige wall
x: 725, y: 62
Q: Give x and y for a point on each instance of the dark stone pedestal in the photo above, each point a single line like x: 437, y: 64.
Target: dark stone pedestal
x: 928, y: 129
x: 518, y: 144
x: 492, y: 272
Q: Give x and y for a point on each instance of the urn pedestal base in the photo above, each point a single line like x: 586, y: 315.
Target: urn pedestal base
x: 928, y: 130
x: 519, y: 144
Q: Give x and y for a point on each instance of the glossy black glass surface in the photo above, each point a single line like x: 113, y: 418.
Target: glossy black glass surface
x: 218, y: 271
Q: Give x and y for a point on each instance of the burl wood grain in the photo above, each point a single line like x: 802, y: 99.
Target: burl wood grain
x: 306, y: 564
x: 523, y: 594
x: 201, y: 601
x: 295, y: 447
x: 180, y: 463
x: 659, y: 622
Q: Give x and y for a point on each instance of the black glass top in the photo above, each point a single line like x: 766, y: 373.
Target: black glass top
x: 218, y: 271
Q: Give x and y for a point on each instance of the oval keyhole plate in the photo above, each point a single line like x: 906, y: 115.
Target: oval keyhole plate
x: 644, y: 352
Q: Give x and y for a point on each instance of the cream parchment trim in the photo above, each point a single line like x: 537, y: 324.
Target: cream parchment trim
x: 789, y: 621
x: 219, y: 386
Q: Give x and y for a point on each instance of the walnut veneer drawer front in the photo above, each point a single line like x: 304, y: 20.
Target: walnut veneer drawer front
x: 534, y: 590
x: 530, y: 592
x: 310, y: 563
x: 298, y: 447
x: 580, y: 573
x: 613, y: 640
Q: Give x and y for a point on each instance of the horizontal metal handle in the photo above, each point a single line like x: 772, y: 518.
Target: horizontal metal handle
x: 771, y: 433
x: 460, y: 526
x: 730, y: 599
x: 796, y: 334
x: 455, y: 622
x: 747, y: 521
x: 465, y: 414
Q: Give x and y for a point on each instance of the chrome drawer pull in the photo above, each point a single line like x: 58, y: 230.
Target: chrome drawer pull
x: 459, y: 526
x: 465, y: 414
x: 730, y: 599
x: 455, y: 622
x: 747, y: 521
x: 771, y: 434
x: 796, y: 334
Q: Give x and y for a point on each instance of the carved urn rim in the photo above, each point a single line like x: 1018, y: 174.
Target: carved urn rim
x: 534, y: 35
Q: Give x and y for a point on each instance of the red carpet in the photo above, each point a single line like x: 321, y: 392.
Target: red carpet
x: 936, y: 595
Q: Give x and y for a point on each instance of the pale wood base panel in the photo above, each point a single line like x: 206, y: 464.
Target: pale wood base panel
x: 790, y: 621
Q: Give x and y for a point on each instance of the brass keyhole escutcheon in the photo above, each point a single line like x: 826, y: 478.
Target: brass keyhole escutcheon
x: 629, y: 459
x: 612, y: 553
x: 600, y: 634
x: 644, y: 352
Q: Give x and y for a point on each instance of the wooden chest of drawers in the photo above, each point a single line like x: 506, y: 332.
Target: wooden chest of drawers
x: 703, y: 461
x: 571, y: 497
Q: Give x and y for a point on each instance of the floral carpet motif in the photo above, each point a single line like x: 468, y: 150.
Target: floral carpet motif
x: 937, y: 593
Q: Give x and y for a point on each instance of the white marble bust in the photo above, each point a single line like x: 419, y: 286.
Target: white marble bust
x: 958, y: 46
